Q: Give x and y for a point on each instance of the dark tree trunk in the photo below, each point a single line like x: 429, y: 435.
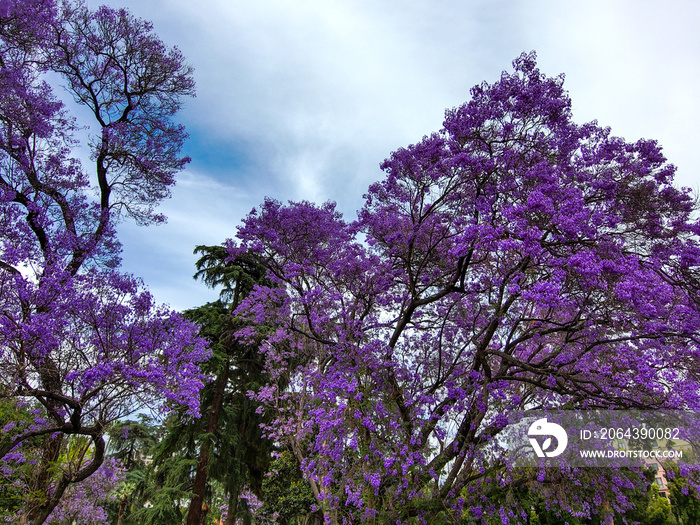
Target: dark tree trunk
x: 196, y: 512
x: 232, y: 508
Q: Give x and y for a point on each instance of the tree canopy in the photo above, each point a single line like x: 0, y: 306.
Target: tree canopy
x: 85, y: 343
x: 512, y: 260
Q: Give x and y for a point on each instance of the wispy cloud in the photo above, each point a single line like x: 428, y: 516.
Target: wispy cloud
x: 303, y: 100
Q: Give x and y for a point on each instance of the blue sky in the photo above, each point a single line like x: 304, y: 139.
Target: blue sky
x: 304, y: 99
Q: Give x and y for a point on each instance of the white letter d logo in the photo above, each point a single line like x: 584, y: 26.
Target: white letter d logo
x: 542, y: 428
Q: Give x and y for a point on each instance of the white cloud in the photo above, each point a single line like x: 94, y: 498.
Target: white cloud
x: 202, y: 211
x: 318, y: 93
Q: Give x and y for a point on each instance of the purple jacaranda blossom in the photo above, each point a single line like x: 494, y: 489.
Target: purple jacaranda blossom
x: 514, y: 259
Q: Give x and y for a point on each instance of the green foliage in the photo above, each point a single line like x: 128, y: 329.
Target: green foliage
x: 658, y: 511
x: 236, y: 278
x: 227, y: 439
x: 133, y: 443
x: 285, y: 492
x: 685, y: 499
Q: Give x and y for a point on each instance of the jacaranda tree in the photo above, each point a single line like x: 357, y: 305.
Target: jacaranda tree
x: 82, y: 345
x: 513, y: 260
